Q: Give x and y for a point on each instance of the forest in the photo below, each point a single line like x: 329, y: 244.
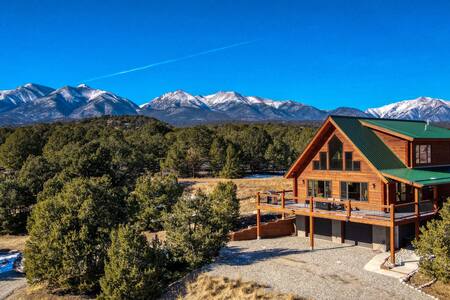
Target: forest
x: 86, y: 192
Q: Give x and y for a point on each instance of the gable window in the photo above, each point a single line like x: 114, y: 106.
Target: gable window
x: 423, y: 154
x: 354, y: 191
x: 335, y: 154
x: 320, y: 164
x: 319, y: 188
x: 350, y: 164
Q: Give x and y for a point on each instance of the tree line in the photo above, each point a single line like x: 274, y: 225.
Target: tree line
x: 36, y: 161
x: 85, y: 192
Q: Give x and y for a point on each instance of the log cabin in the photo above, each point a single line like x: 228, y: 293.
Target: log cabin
x: 365, y: 181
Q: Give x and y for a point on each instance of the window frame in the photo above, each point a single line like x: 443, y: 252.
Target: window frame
x: 427, y: 153
x: 332, y: 165
x: 312, y: 185
x: 361, y: 184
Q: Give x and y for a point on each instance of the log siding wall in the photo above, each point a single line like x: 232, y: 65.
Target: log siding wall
x: 376, y: 187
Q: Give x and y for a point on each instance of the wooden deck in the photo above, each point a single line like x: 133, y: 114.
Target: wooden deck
x: 338, y: 212
x: 363, y: 212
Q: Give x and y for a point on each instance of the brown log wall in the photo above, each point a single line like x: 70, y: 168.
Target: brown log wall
x: 272, y: 229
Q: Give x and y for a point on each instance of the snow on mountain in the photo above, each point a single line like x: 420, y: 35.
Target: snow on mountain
x: 175, y: 99
x: 36, y: 103
x: 9, y: 99
x: 422, y: 108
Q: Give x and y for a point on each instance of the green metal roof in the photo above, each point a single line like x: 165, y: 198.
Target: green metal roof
x: 413, y: 129
x: 426, y: 176
x: 368, y: 143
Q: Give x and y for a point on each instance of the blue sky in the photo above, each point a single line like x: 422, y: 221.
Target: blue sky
x: 324, y: 53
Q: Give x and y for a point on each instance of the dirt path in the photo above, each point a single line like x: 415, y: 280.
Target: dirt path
x: 9, y: 282
x: 331, y: 271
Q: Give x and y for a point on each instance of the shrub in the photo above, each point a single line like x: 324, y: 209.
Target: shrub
x: 134, y: 269
x: 198, y: 226
x: 69, y: 235
x: 434, y: 246
x: 152, y: 197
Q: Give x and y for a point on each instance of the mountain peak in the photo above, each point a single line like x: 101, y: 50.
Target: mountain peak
x: 421, y: 108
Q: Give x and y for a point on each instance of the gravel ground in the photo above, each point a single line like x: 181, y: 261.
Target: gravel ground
x: 9, y: 282
x: 331, y: 271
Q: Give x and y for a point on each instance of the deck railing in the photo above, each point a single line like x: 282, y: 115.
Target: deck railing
x: 349, y: 208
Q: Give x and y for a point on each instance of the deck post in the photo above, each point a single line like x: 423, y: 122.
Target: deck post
x: 392, y: 233
x: 295, y: 189
x: 349, y: 209
x: 416, y: 212
x: 342, y: 232
x: 435, y: 198
x: 283, y: 204
x: 258, y: 216
x: 258, y: 224
x: 311, y: 223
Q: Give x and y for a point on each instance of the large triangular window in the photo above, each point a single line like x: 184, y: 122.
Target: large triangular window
x: 335, y: 154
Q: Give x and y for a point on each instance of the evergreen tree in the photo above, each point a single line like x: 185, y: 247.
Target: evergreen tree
x: 134, y: 269
x: 225, y: 206
x: 152, y: 197
x: 433, y: 246
x: 190, y: 234
x: 15, y: 202
x: 232, y: 166
x: 217, y: 154
x: 70, y: 233
x: 34, y: 173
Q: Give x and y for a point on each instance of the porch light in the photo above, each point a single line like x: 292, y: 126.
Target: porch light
x: 374, y: 185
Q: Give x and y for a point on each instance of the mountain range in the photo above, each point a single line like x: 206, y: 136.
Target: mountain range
x: 32, y: 103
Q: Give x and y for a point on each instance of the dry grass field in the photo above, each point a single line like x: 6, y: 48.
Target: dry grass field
x: 246, y: 188
x: 40, y: 292
x: 438, y: 289
x: 12, y: 242
x: 218, y: 288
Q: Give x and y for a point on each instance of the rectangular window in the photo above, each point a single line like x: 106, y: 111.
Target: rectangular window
x: 320, y: 164
x: 319, y: 188
x: 316, y: 165
x: 323, y: 160
x: 350, y: 164
x: 349, y: 161
x: 354, y: 190
x: 423, y: 154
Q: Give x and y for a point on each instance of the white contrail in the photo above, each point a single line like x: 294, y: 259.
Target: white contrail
x: 168, y: 61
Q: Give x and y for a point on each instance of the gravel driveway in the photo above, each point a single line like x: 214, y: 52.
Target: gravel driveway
x: 9, y: 282
x: 331, y: 271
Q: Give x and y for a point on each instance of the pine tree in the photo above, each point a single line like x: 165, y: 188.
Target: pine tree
x: 191, y: 235
x: 152, y: 197
x: 134, y: 269
x: 232, y: 167
x: 433, y: 246
x: 217, y: 155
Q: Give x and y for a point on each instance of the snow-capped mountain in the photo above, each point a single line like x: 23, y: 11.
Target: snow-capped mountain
x: 422, y: 108
x: 180, y: 107
x: 33, y: 103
